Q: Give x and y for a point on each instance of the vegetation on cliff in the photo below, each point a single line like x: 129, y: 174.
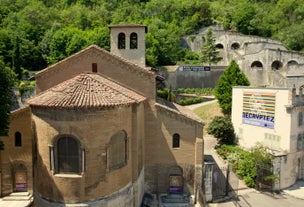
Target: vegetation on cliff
x: 37, y: 33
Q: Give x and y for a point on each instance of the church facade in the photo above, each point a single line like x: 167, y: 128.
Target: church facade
x: 95, y: 134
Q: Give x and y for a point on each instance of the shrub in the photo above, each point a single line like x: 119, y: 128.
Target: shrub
x: 197, y: 91
x: 166, y: 94
x: 221, y: 128
x: 244, y: 163
x: 190, y: 101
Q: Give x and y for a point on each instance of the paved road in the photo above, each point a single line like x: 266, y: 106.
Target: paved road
x: 257, y: 199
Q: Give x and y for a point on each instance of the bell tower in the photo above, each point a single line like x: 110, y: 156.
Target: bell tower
x: 129, y: 41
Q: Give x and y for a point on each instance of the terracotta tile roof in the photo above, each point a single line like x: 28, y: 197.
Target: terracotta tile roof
x: 89, y: 90
x: 178, y: 109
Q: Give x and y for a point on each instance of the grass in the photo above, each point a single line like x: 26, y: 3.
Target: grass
x: 208, y: 112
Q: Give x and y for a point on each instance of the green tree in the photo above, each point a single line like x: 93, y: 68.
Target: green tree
x: 209, y: 52
x: 232, y: 76
x: 7, y: 80
x: 221, y: 128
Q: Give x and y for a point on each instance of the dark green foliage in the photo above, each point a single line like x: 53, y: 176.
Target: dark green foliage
x: 190, y: 101
x: 221, y: 128
x: 166, y: 94
x: 35, y: 34
x: 191, y: 58
x: 209, y: 52
x: 29, y: 41
x: 232, y: 76
x: 7, y: 80
x: 197, y: 91
x: 245, y: 163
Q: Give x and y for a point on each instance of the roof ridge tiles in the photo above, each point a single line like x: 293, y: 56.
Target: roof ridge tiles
x: 87, y: 90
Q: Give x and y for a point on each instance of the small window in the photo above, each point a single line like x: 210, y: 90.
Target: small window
x: 118, y: 150
x: 133, y: 41
x: 18, y: 140
x: 299, y: 142
x: 176, y: 141
x: 300, y: 119
x: 121, y: 41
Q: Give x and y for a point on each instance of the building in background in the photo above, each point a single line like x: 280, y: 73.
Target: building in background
x: 274, y: 118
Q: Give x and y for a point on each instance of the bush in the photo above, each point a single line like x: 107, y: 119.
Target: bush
x: 221, y: 128
x: 190, y: 101
x: 166, y: 94
x: 244, y: 163
x: 197, y: 91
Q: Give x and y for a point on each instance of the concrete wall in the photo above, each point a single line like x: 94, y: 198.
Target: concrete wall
x: 273, y: 138
x: 193, y: 79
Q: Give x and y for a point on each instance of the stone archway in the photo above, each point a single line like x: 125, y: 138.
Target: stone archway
x: 292, y: 63
x: 235, y: 46
x: 256, y: 65
x: 276, y: 65
x: 219, y: 46
x: 20, y: 177
x: 176, y: 180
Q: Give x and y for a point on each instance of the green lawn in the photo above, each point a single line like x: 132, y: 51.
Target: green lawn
x: 208, y: 112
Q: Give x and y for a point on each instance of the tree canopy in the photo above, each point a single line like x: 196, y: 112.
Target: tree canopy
x: 232, y: 76
x: 7, y: 80
x: 35, y: 34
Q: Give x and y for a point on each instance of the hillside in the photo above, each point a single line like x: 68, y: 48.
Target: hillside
x: 37, y: 33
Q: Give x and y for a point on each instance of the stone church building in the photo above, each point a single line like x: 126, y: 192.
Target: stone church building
x: 95, y: 134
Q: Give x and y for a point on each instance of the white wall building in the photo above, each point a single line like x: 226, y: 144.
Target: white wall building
x: 274, y: 118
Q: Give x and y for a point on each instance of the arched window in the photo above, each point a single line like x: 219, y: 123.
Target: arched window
x: 18, y: 139
x: 118, y: 150
x: 176, y: 141
x: 68, y: 155
x: 292, y: 62
x: 235, y: 46
x: 219, y: 46
x: 133, y: 41
x: 121, y: 41
x: 276, y: 65
x: 257, y: 65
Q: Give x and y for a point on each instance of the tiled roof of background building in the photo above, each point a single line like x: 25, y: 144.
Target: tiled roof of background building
x: 90, y: 90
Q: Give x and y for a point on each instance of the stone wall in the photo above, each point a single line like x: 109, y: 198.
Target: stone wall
x: 193, y: 79
x: 93, y: 129
x: 107, y: 64
x: 17, y: 158
x: 255, y: 55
